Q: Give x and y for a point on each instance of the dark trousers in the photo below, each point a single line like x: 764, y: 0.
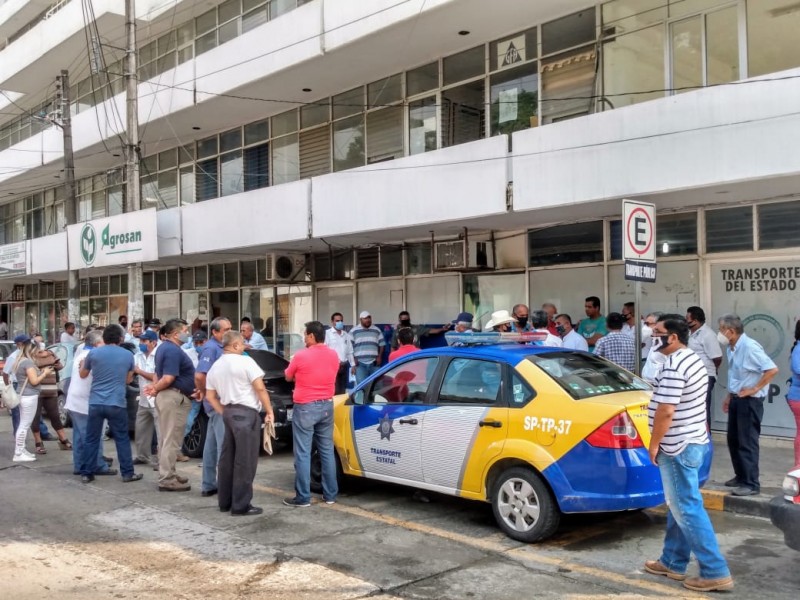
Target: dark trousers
x: 239, y: 457
x: 709, y: 399
x: 342, y: 377
x: 117, y: 417
x: 744, y: 429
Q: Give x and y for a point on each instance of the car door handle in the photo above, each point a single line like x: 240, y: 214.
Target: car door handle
x: 409, y: 422
x: 490, y: 423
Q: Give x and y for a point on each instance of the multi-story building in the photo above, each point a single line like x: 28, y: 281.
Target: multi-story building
x: 301, y: 157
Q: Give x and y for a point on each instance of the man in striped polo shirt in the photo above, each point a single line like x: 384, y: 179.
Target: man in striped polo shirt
x: 679, y: 446
x: 368, y: 345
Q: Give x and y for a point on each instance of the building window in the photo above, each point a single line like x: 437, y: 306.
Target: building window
x: 464, y: 65
x: 563, y: 244
x: 729, y: 229
x: 385, y: 134
x: 778, y: 225
x: 676, y: 234
x: 514, y: 99
x: 348, y: 143
x: 568, y: 84
x: 285, y: 159
x: 422, y: 130
x: 772, y: 27
x: 463, y: 114
x: 418, y: 259
x: 633, y: 63
x: 512, y: 51
x: 422, y: 79
x: 568, y: 32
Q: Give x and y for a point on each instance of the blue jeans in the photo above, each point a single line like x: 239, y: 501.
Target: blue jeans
x: 363, y: 371
x: 194, y: 410
x: 212, y: 448
x: 79, y: 423
x: 117, y: 417
x: 689, y: 529
x: 313, y: 422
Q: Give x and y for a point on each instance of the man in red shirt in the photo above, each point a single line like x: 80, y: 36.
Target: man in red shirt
x: 405, y: 336
x: 314, y: 372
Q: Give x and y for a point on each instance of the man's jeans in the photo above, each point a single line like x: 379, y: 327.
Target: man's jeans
x: 215, y: 433
x: 193, y: 412
x: 364, y: 370
x: 689, y: 529
x: 79, y: 423
x: 313, y: 422
x: 117, y: 417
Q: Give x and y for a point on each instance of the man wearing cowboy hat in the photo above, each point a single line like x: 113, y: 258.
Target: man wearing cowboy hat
x: 501, y: 321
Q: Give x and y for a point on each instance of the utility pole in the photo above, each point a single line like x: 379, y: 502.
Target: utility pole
x: 132, y: 194
x: 71, y: 201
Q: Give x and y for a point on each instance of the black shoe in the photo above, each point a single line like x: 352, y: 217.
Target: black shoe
x: 732, y: 482
x: 87, y: 478
x: 109, y: 460
x: 139, y: 461
x: 744, y: 491
x: 295, y: 502
x: 252, y: 511
x: 107, y: 472
x: 223, y: 509
x: 134, y: 477
x: 206, y: 494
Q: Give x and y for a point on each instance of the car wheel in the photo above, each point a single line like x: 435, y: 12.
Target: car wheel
x: 523, y: 506
x: 316, y: 471
x: 63, y: 413
x: 196, y: 438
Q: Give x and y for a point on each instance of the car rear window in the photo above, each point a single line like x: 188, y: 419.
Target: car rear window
x: 586, y: 376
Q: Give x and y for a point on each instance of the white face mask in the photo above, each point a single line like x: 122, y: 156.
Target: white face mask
x: 647, y: 333
x: 723, y: 341
x: 656, y: 343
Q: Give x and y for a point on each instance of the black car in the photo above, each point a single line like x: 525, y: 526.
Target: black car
x: 784, y: 510
x: 280, y: 392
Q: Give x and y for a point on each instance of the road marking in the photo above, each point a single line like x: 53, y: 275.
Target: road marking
x: 525, y: 552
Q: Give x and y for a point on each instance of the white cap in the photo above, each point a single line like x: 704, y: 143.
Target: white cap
x: 364, y: 314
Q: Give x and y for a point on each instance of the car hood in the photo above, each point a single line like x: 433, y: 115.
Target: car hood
x: 269, y: 362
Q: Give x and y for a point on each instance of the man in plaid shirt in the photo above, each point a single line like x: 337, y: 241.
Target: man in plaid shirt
x: 616, y: 346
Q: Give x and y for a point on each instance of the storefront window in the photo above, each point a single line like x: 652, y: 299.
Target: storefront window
x: 225, y: 304
x: 433, y: 299
x: 484, y: 294
x: 567, y: 288
x: 293, y: 311
x: 258, y: 304
x: 335, y: 299
x: 729, y: 229
x: 98, y: 312
x: 383, y: 299
x: 117, y: 306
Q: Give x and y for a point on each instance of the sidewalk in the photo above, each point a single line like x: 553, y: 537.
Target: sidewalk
x: 775, y: 461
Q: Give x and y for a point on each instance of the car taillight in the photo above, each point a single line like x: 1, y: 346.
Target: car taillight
x: 791, y: 486
x: 618, y: 432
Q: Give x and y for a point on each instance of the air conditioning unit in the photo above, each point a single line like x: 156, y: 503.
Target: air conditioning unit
x: 453, y: 256
x: 284, y: 267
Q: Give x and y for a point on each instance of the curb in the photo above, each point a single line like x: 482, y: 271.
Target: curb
x: 754, y: 506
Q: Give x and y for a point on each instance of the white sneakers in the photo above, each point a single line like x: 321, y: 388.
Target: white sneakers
x: 24, y: 456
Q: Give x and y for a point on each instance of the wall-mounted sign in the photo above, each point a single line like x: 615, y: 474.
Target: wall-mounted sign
x: 13, y: 260
x: 639, y: 240
x: 119, y: 240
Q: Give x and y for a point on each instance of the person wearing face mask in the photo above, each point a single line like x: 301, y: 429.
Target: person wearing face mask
x: 173, y: 390
x: 749, y: 372
x: 647, y: 327
x: 501, y: 322
x: 705, y: 344
x: 340, y: 341
x: 679, y: 446
x: 521, y: 314
x: 569, y: 337
x: 420, y: 331
x: 146, y: 421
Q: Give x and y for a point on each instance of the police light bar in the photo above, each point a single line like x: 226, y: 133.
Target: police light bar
x: 477, y: 338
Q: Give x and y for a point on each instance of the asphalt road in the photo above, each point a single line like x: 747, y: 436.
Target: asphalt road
x: 60, y: 538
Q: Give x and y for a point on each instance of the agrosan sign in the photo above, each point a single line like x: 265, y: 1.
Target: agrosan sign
x: 118, y: 240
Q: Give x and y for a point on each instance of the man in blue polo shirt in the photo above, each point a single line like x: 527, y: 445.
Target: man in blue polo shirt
x: 215, y: 431
x: 173, y: 390
x: 112, y: 369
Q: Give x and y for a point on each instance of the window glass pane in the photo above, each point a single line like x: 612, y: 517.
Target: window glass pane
x: 418, y: 258
x: 772, y: 37
x: 206, y: 180
x: 422, y: 125
x: 348, y: 143
x: 615, y: 234
x: 205, y: 43
x: 569, y: 31
x: 729, y: 229
x: 676, y: 235
x: 227, y: 32
x: 568, y: 85
x: 315, y: 152
x: 254, y: 18
x: 722, y: 46
x: 232, y: 176
x: 250, y: 4
x: 229, y: 10
x: 626, y: 15
x: 285, y: 159
x: 249, y: 272
x: 778, y: 225
x: 216, y: 276
x: 484, y: 294
x: 185, y: 34
x: 256, y: 132
x: 422, y: 79
x: 184, y: 54
x: 206, y: 22
x: 406, y: 383
x: 230, y: 140
x: 256, y: 167
x: 284, y: 123
x: 166, y: 43
x: 149, y: 191
x: 463, y: 113
x: 687, y: 54
x: 391, y: 261
x: 631, y: 63
x: 146, y: 54
x: 580, y: 242
x: 168, y: 189
x: 167, y: 160
x: 515, y: 98
x: 584, y: 376
x: 385, y: 134
x: 149, y: 165
x: 348, y: 103
x: 464, y: 65
x: 567, y: 288
x: 279, y: 7
x: 186, y: 153
x: 514, y: 50
x: 232, y: 275
x: 315, y: 114
x: 207, y: 147
x: 469, y: 381
x: 187, y: 185
x: 385, y: 91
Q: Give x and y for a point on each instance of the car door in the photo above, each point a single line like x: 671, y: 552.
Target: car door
x: 387, y: 427
x: 468, y: 425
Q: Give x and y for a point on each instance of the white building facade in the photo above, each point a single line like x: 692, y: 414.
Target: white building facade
x: 305, y: 157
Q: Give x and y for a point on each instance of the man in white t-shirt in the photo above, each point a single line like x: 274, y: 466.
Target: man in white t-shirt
x: 146, y: 418
x: 235, y: 389
x: 68, y: 335
x: 539, y: 321
x: 569, y: 337
x: 78, y: 406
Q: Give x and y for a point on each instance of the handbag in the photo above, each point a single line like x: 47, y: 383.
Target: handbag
x: 10, y: 397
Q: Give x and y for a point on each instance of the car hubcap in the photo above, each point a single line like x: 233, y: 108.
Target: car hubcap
x: 518, y: 504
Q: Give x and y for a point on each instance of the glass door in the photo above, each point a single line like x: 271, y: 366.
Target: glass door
x: 293, y: 310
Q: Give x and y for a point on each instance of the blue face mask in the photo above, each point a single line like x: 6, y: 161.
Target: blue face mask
x: 339, y: 325
x: 143, y: 348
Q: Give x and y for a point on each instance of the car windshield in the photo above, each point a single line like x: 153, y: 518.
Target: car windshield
x: 586, y: 376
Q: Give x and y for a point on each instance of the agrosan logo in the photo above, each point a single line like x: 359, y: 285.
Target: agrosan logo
x: 88, y: 243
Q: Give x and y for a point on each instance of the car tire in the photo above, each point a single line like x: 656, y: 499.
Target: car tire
x: 63, y: 413
x: 316, y: 471
x: 196, y: 438
x: 523, y: 505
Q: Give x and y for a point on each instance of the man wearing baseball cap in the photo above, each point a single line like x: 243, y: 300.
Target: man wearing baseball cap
x: 368, y: 345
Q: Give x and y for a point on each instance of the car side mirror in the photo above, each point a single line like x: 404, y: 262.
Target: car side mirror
x: 357, y: 397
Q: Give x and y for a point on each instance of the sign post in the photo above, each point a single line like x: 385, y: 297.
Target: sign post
x: 639, y: 254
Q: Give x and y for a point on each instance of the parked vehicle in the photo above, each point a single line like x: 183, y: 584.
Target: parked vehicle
x: 6, y: 348
x: 280, y: 392
x: 784, y: 510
